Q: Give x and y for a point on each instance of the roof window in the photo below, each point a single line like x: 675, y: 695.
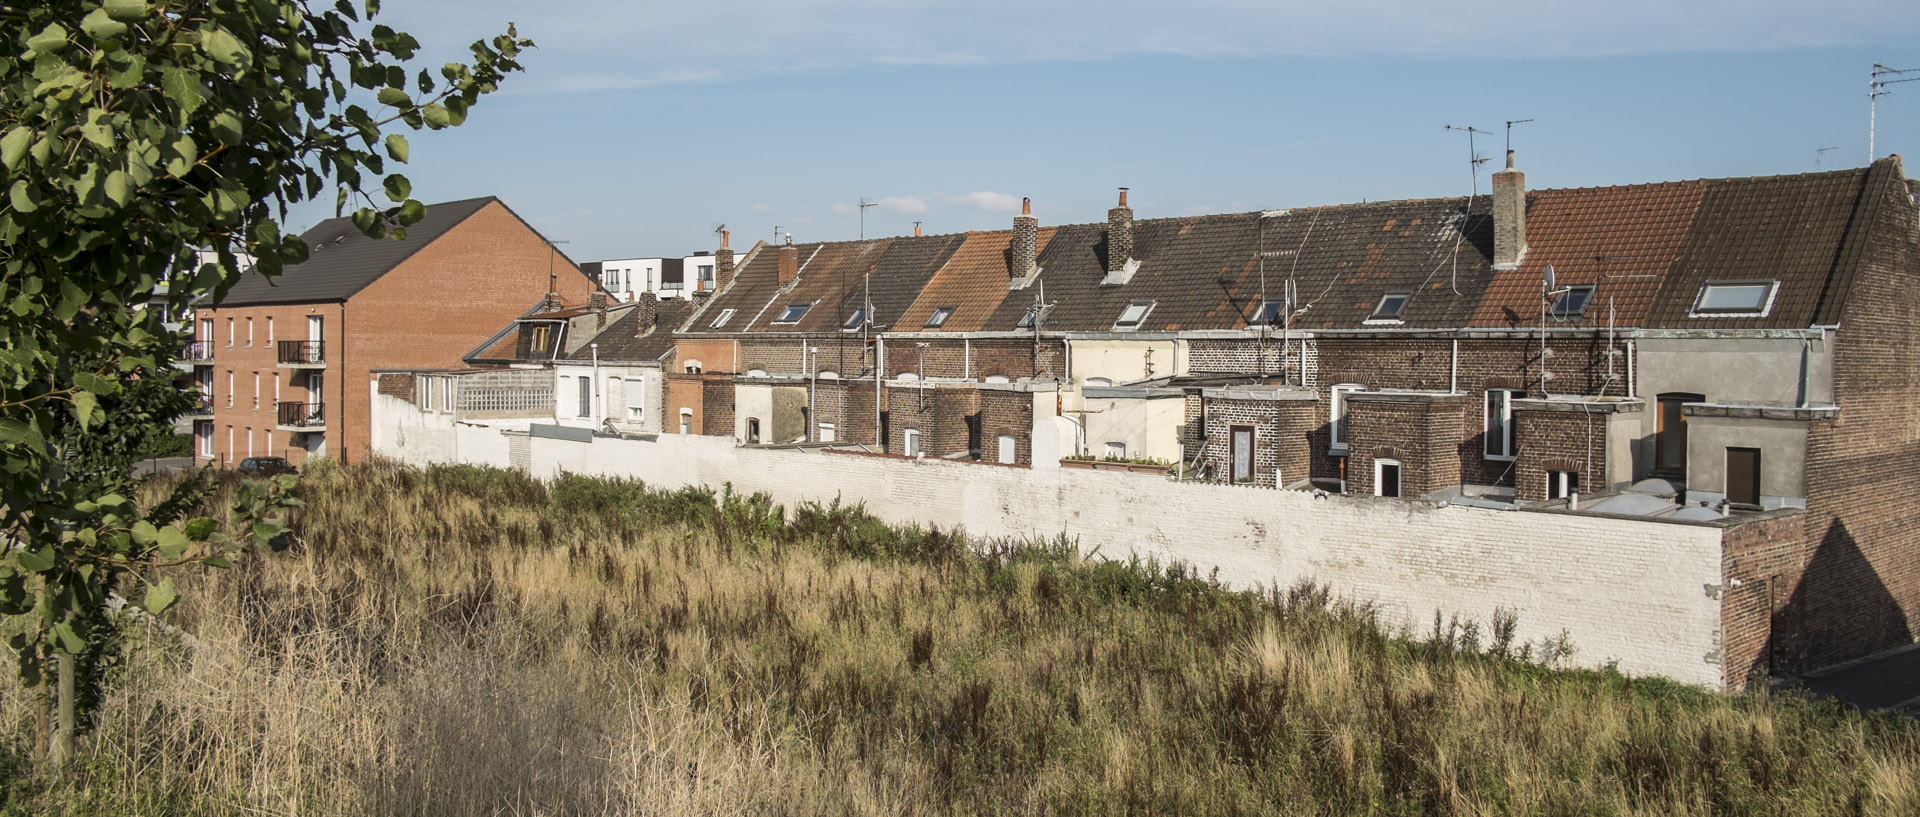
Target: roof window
x: 725, y: 315
x: 1571, y: 301
x: 792, y: 313
x: 939, y: 317
x: 1734, y: 298
x: 1269, y: 314
x: 1390, y: 305
x: 854, y: 321
x: 1133, y: 315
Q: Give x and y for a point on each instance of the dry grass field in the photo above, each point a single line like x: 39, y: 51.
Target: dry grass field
x: 458, y: 641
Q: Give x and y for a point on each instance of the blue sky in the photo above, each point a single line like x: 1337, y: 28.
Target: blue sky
x: 640, y: 125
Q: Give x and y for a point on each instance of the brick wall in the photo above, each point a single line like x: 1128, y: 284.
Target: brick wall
x: 1423, y: 436
x: 782, y: 356
x: 1764, y: 557
x: 397, y: 385
x: 1858, y: 591
x: 252, y: 414
x: 1280, y: 438
x: 716, y: 405
x: 1558, y: 441
x: 685, y: 391
x: 848, y: 405
x: 940, y: 414
x: 713, y: 355
x: 1009, y: 413
x: 1013, y: 358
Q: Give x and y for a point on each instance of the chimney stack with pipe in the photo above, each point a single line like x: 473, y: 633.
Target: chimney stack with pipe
x: 789, y: 262
x: 598, y: 303
x: 723, y: 263
x: 648, y: 312
x: 1026, y: 241
x: 1509, y: 216
x: 1119, y: 234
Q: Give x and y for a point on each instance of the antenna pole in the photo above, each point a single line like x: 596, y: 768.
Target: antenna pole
x: 1876, y: 88
x: 1474, y: 159
x: 864, y: 204
x: 1510, y: 124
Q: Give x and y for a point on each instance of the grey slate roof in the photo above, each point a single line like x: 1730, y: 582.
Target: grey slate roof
x: 342, y: 261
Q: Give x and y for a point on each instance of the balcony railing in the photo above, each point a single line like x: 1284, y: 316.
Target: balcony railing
x: 303, y: 415
x: 302, y: 353
x: 197, y: 352
x: 202, y: 404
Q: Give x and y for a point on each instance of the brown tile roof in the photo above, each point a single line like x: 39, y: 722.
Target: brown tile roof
x: 621, y: 342
x: 973, y: 282
x: 1619, y: 240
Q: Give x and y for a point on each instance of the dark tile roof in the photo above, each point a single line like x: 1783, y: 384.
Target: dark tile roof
x: 621, y: 342
x: 342, y: 261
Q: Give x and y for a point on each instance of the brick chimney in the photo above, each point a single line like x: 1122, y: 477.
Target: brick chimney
x: 598, y: 303
x: 649, y: 312
x: 1026, y: 241
x: 1119, y: 234
x: 789, y: 262
x: 1509, y: 216
x: 723, y: 263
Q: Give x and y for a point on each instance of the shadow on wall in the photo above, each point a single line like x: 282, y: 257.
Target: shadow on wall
x: 1840, y: 610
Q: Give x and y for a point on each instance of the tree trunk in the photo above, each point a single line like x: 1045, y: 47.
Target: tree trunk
x: 63, y: 741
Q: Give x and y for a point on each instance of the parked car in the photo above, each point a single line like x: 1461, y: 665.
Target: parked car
x: 265, y: 467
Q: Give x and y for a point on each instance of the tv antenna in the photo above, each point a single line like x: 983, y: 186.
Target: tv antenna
x: 1876, y: 88
x: 1510, y: 124
x: 776, y: 233
x: 1820, y: 154
x: 1474, y: 159
x: 864, y: 204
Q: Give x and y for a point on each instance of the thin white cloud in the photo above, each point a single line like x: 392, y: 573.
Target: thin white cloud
x: 759, y: 207
x: 983, y: 199
x: 589, y: 45
x: 912, y: 205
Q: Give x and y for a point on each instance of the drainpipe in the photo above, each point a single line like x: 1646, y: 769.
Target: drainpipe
x: 593, y: 388
x: 966, y: 358
x: 1453, y: 376
x: 879, y: 371
x: 1806, y: 372
x: 813, y: 385
x: 1633, y: 390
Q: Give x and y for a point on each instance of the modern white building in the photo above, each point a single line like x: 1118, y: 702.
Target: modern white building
x: 626, y: 278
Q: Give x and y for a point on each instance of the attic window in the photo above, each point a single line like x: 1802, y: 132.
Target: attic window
x: 725, y: 315
x: 854, y: 321
x: 1032, y: 314
x: 1133, y: 315
x: 1734, y: 298
x: 1269, y: 313
x: 1390, y: 306
x: 792, y: 313
x: 939, y: 317
x: 1571, y: 301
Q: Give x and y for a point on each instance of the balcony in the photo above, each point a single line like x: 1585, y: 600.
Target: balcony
x: 202, y: 407
x: 197, y: 352
x: 302, y: 417
x: 302, y: 354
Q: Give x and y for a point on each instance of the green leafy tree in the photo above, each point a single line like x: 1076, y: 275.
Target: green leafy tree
x: 131, y: 133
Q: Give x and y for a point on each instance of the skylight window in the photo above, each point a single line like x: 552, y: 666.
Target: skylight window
x: 1269, y: 313
x: 1734, y: 298
x: 725, y: 315
x: 792, y: 313
x: 1390, y: 306
x: 1133, y: 315
x: 1033, y: 314
x: 854, y: 321
x: 1571, y: 301
x: 939, y: 317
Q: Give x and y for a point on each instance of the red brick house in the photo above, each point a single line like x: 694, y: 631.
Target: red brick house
x: 286, y: 364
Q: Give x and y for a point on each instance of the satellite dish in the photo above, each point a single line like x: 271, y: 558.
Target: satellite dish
x: 1550, y: 278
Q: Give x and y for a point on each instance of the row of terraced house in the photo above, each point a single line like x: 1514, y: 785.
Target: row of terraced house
x: 1739, y: 353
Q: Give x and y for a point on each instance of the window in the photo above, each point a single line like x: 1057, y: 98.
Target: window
x: 1571, y: 302
x: 1099, y: 382
x: 854, y: 321
x: 913, y: 442
x: 1499, y: 443
x: 426, y: 393
x: 256, y: 391
x: 1386, y: 477
x: 229, y: 331
x: 756, y: 372
x: 1743, y: 476
x: 1670, y: 433
x: 753, y: 431
x: 227, y: 453
x: 249, y: 343
x: 1734, y: 298
x: 1390, y: 306
x: 203, y: 432
x: 939, y: 317
x: 539, y: 342
x: 1269, y: 314
x: 998, y: 378
x: 825, y: 434
x: 686, y: 421
x: 1117, y: 450
x: 269, y: 330
x: 1009, y: 450
x: 1242, y: 443
x: 692, y: 367
x: 584, y: 407
x: 706, y: 276
x: 229, y: 400
x: 206, y: 331
x: 636, y: 401
x: 1562, y: 484
x: 276, y: 391
x: 721, y: 320
x: 1337, y: 415
x: 1133, y: 315
x: 792, y: 313
x: 249, y: 441
x: 446, y: 394
x: 1029, y: 317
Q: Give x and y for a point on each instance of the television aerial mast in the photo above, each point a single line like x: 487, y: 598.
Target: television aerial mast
x: 1876, y: 88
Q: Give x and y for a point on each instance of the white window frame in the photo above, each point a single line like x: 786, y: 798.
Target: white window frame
x: 426, y: 393
x: 721, y: 320
x: 249, y: 343
x: 1122, y: 323
x: 825, y: 434
x: 756, y: 372
x: 855, y: 321
x: 229, y: 400
x: 686, y: 421
x: 1337, y: 415
x: 1379, y: 308
x: 827, y: 374
x: 910, y: 442
x: 1766, y: 305
x: 792, y: 313
x: 1553, y: 310
x: 1116, y: 449
x: 269, y: 330
x: 636, y: 400
x: 446, y: 394
x: 1267, y: 314
x: 1510, y: 442
x: 1009, y: 449
x: 1380, y: 466
x: 939, y: 317
x: 1562, y: 484
x: 256, y: 393
x: 584, y: 397
x: 1099, y: 382
x: 229, y: 331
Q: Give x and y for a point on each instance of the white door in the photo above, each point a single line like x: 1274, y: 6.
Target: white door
x: 616, y: 398
x: 1008, y: 450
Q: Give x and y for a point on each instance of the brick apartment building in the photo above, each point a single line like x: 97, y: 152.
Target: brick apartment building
x: 284, y: 365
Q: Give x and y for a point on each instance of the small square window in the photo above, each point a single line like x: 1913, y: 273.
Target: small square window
x: 1269, y: 313
x: 792, y: 313
x: 1571, y: 301
x: 939, y: 317
x: 1390, y: 305
x: 1734, y: 298
x: 1133, y: 315
x: 725, y: 315
x: 855, y: 320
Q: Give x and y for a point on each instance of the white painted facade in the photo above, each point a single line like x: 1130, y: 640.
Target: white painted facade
x: 625, y: 278
x: 630, y: 396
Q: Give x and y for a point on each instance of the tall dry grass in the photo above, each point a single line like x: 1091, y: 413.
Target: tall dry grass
x: 461, y: 641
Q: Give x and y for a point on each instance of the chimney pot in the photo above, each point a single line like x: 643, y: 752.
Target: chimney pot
x: 1026, y: 206
x: 1026, y: 242
x: 1119, y: 234
x: 1509, y: 216
x: 1123, y: 197
x: 916, y: 229
x: 723, y: 263
x: 723, y: 238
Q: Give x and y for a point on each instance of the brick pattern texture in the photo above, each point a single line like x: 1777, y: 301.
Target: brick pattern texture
x: 1280, y: 438
x: 1558, y: 441
x: 942, y: 416
x: 1423, y: 437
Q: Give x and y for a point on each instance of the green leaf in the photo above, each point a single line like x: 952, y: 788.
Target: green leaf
x: 173, y: 542
x: 98, y: 128
x: 100, y: 25
x: 160, y: 596
x: 84, y: 402
x: 217, y: 561
x: 223, y: 47
x: 38, y: 560
x: 13, y: 146
x: 395, y: 97
x: 95, y: 383
x: 396, y: 148
x: 199, y: 529
x: 126, y: 11
x: 226, y: 127
x: 50, y: 40
x: 69, y: 641
x: 437, y: 116
x: 183, y: 87
x: 145, y: 533
x: 23, y: 197
x: 397, y: 187
x: 119, y: 187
